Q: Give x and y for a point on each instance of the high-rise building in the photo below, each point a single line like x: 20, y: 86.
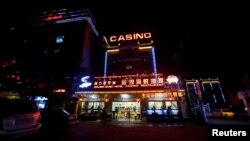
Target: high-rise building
x: 10, y: 78
x: 60, y: 47
x: 11, y: 81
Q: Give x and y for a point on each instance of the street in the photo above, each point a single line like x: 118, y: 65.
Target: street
x: 133, y: 130
x: 126, y: 131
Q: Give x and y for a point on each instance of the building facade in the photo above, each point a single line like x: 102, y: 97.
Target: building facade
x: 131, y: 87
x: 59, y: 47
x: 204, y: 95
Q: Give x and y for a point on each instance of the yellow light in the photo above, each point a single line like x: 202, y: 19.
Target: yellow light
x: 113, y: 50
x: 147, y: 47
x: 59, y: 90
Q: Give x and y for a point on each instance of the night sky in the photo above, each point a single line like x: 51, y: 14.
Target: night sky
x: 209, y: 40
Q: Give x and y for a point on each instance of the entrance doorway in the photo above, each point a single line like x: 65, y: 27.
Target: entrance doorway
x: 126, y: 110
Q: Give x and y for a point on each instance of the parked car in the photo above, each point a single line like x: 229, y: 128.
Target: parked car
x: 71, y: 119
x: 223, y: 113
x: 18, y: 117
x: 58, y: 118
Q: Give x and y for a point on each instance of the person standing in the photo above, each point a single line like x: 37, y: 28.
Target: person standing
x: 169, y: 114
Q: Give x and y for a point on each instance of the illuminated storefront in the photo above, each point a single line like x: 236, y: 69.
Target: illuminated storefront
x: 132, y: 97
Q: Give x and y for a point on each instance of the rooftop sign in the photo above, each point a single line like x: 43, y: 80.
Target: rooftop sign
x: 129, y: 37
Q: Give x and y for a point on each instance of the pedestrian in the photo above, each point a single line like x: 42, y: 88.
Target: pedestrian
x: 103, y: 115
x: 169, y: 114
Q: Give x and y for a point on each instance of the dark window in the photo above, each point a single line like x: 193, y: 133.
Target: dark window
x: 17, y: 106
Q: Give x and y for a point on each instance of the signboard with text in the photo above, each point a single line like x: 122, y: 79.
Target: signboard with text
x: 129, y: 82
x: 129, y: 37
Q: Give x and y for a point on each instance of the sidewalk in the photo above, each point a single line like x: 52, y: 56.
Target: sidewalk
x: 136, y: 123
x: 134, y: 130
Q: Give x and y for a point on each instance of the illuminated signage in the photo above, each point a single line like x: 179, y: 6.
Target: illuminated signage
x: 172, y: 79
x: 128, y: 37
x: 40, y: 98
x: 59, y: 39
x: 41, y: 101
x: 54, y: 17
x: 59, y: 91
x: 128, y: 81
x: 85, y: 83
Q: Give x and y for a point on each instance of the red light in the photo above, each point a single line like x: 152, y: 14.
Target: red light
x: 106, y: 100
x: 50, y: 18
x: 41, y: 85
x: 138, y: 100
x: 18, y: 77
x: 170, y: 98
x: 60, y: 91
x: 14, y: 61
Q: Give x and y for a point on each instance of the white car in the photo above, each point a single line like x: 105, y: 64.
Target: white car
x: 18, y: 117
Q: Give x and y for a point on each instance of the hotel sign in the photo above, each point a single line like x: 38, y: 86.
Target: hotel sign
x: 128, y: 81
x: 129, y: 37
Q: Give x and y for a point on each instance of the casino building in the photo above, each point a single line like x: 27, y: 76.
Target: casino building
x: 69, y: 58
x: 131, y: 86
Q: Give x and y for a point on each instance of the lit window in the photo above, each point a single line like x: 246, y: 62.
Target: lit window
x: 180, y: 94
x: 175, y: 94
x: 59, y: 39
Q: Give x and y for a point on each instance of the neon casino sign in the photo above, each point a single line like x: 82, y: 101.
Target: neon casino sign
x: 128, y: 37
